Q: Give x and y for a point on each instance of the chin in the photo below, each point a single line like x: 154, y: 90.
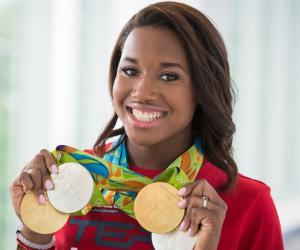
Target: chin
x: 143, y: 141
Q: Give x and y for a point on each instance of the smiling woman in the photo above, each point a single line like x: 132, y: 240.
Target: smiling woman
x: 170, y: 86
x: 147, y: 87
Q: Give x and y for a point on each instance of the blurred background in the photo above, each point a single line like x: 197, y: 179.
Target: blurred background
x: 54, y: 57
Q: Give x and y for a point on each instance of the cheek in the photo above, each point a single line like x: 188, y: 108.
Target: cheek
x: 185, y: 103
x: 191, y: 100
x: 116, y: 95
x: 119, y: 93
x: 188, y: 110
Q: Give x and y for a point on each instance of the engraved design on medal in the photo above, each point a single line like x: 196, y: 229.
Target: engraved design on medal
x: 156, y: 208
x: 73, y: 188
x: 161, y: 204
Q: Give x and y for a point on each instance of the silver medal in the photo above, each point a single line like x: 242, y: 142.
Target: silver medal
x: 73, y: 188
x: 175, y: 240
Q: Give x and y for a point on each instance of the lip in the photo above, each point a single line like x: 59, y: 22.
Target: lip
x: 147, y: 108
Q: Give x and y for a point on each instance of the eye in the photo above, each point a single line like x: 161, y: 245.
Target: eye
x: 169, y: 77
x: 129, y: 71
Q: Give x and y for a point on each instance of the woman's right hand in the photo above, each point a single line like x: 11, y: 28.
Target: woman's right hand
x: 35, y: 177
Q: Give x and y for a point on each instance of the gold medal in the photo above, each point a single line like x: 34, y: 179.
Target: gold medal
x: 156, y: 208
x: 43, y: 219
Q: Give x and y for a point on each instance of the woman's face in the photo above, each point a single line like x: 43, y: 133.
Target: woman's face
x: 152, y: 92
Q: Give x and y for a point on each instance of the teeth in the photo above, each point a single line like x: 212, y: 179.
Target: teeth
x: 146, y: 116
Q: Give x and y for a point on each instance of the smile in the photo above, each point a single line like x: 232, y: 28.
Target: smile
x: 143, y: 117
x: 146, y: 116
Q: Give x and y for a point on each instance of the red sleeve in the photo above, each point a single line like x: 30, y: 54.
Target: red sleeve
x: 262, y: 226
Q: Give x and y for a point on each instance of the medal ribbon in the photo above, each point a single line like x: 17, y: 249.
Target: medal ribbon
x: 116, y: 185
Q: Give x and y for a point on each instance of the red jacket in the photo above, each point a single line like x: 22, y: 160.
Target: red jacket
x: 251, y: 221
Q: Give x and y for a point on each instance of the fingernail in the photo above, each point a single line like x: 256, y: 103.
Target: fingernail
x: 53, y: 169
x: 49, y: 184
x: 182, y: 203
x: 190, y: 232
x: 182, y: 191
x: 182, y: 226
x: 42, y: 199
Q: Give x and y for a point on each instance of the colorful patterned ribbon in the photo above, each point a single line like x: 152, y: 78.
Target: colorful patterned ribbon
x: 116, y: 185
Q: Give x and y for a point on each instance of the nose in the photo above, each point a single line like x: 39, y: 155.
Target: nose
x: 145, y: 90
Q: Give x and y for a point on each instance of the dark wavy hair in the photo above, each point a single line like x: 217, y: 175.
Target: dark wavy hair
x: 207, y: 59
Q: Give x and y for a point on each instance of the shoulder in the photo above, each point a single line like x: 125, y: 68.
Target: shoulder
x: 251, y: 200
x: 250, y: 186
x: 244, y: 185
x: 246, y: 193
x: 249, y: 192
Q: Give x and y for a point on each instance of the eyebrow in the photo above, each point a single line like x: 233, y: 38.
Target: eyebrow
x: 162, y: 64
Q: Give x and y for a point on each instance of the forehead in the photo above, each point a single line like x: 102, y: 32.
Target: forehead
x: 154, y: 43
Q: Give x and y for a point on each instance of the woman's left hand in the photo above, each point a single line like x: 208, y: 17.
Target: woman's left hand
x: 202, y: 218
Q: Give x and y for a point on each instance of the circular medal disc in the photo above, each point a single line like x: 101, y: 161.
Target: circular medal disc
x: 43, y: 219
x: 156, y: 209
x: 73, y: 188
x: 175, y: 240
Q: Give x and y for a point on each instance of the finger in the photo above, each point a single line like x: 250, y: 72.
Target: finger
x: 16, y: 188
x: 189, y: 204
x: 17, y: 193
x: 50, y: 161
x: 196, y: 201
x: 182, y: 203
x: 206, y: 189
x: 197, y: 216
x: 187, y: 189
x: 40, y: 163
x: 36, y: 177
x: 205, y: 220
x: 185, y: 223
x: 25, y: 181
x: 202, y: 188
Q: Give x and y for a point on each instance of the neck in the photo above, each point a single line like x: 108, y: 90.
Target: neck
x: 159, y: 155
